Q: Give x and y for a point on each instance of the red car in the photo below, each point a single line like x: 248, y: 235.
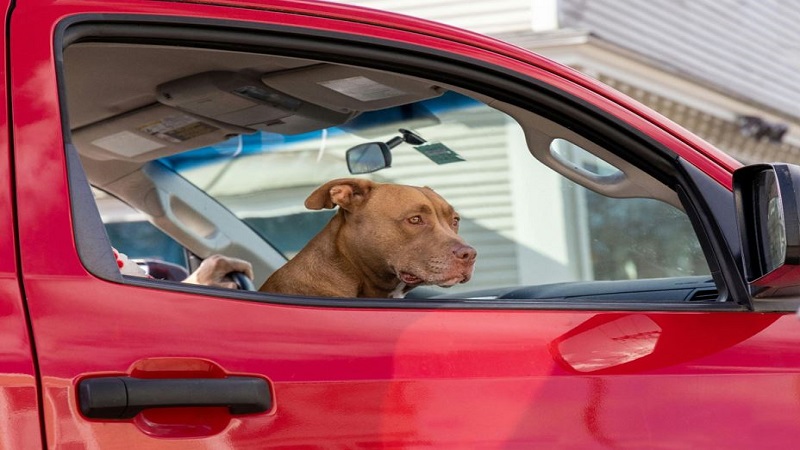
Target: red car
x: 634, y: 286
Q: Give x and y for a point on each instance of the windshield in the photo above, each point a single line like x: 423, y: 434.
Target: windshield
x: 529, y: 224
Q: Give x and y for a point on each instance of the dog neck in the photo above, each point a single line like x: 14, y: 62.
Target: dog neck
x: 373, y: 282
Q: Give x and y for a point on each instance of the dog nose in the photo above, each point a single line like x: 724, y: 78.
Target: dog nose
x: 465, y: 252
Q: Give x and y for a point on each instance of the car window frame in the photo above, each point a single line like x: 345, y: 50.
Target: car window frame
x: 477, y: 75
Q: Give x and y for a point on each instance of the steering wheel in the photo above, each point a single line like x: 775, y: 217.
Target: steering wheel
x: 242, y: 281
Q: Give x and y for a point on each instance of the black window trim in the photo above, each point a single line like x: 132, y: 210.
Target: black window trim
x: 475, y: 75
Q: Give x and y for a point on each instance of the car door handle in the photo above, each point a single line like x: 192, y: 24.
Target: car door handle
x: 124, y: 397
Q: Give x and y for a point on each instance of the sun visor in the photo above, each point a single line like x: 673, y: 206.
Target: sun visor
x: 337, y: 87
x: 149, y: 133
x: 244, y: 101
x: 199, y: 111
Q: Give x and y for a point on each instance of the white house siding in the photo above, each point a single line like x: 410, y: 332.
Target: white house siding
x: 746, y: 48
x: 722, y: 133
x: 489, y: 17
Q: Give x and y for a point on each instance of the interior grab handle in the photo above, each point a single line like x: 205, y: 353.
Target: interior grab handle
x: 124, y: 397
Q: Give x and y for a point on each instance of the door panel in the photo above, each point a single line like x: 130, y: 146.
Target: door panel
x: 359, y: 377
x: 19, y: 407
x: 366, y: 377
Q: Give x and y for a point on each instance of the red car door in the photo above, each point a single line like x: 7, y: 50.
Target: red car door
x: 208, y: 370
x: 19, y: 407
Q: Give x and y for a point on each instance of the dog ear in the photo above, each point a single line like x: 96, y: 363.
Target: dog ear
x: 347, y: 193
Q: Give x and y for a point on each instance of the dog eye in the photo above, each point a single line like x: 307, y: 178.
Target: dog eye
x: 456, y: 221
x: 416, y: 220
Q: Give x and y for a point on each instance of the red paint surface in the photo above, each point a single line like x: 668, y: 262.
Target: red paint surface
x: 19, y: 415
x: 352, y: 378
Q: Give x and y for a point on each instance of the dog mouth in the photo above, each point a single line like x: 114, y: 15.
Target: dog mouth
x: 413, y: 280
x: 410, y: 279
x: 453, y: 281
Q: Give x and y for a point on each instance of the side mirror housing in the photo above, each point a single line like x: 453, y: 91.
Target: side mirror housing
x: 768, y: 214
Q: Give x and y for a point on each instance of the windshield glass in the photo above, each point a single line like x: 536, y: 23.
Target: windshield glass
x: 529, y: 224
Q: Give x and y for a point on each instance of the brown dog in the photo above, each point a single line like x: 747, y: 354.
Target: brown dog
x: 385, y: 240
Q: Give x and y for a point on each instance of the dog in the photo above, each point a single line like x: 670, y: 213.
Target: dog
x: 384, y: 240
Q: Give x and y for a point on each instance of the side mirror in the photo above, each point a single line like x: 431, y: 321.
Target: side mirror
x: 767, y: 200
x: 369, y: 157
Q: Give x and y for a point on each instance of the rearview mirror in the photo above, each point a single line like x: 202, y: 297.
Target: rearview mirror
x: 369, y: 157
x: 372, y: 156
x: 768, y: 214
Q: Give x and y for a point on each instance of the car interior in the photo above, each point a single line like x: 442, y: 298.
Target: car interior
x: 213, y: 149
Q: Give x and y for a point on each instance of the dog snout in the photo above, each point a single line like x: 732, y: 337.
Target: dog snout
x: 465, y: 253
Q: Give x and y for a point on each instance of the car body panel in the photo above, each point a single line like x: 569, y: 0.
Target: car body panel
x: 19, y: 406
x: 347, y: 377
x: 354, y: 377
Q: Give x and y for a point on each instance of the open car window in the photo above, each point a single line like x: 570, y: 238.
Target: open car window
x: 217, y: 151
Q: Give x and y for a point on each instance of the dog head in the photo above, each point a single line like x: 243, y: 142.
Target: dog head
x: 403, y: 233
